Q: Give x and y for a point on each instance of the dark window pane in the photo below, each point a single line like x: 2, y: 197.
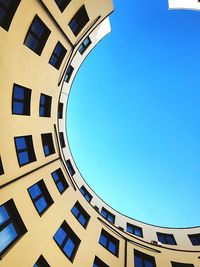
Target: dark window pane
x: 60, y: 110
x: 57, y: 55
x: 166, y: 238
x: 84, y: 45
x: 7, y: 11
x: 81, y: 215
x: 195, y: 239
x: 1, y: 167
x: 68, y: 74
x: 109, y: 242
x: 41, y: 262
x: 79, y: 20
x: 60, y: 180
x: 45, y: 105
x: 47, y: 142
x: 143, y: 260
x: 62, y: 4
x: 86, y: 194
x: 70, y: 167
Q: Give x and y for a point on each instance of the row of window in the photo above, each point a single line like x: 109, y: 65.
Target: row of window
x: 136, y: 230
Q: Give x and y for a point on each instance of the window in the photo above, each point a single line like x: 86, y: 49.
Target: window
x: 166, y: 239
x: 62, y: 140
x: 47, y: 142
x: 79, y: 20
x: 21, y: 99
x: 99, y: 263
x: 143, y: 260
x: 24, y: 149
x: 135, y: 230
x: 108, y: 215
x: 40, y: 196
x: 195, y: 239
x: 62, y: 4
x: 67, y: 240
x: 41, y: 262
x: 60, y: 110
x: 37, y: 35
x: 84, y: 45
x: 68, y: 73
x: 70, y: 167
x: 85, y: 193
x: 45, y: 105
x: 7, y: 11
x: 11, y: 226
x: 1, y: 167
x: 81, y: 215
x: 59, y: 180
x: 58, y: 55
x: 177, y: 264
x: 109, y: 242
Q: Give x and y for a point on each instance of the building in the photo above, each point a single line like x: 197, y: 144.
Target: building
x: 49, y: 216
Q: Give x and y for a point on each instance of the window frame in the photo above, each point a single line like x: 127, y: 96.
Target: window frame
x: 109, y: 238
x: 70, y: 234
x: 62, y: 140
x: 26, y: 100
x: 41, y: 262
x: 83, y: 47
x: 63, y: 5
x: 9, y: 14
x: 15, y: 219
x: 59, y: 57
x: 166, y: 237
x: 135, y: 228
x: 79, y: 20
x: 60, y: 110
x: 61, y: 179
x: 46, y: 106
x: 107, y: 215
x: 180, y: 264
x: 70, y: 167
x: 144, y: 257
x: 68, y: 73
x: 47, y: 140
x: 40, y: 39
x: 99, y: 262
x: 1, y: 167
x: 85, y: 193
x: 194, y: 236
x: 44, y: 194
x: 81, y: 212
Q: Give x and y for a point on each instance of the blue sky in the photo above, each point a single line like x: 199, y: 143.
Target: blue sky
x: 134, y: 111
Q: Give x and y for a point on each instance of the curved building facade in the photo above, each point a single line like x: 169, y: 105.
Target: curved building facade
x: 49, y: 216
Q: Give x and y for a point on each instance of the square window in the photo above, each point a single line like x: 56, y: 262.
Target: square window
x: 21, y: 98
x: 85, y: 44
x: 108, y: 215
x: 37, y: 35
x: 41, y: 262
x: 58, y: 55
x: 109, y: 242
x: 195, y: 239
x: 99, y: 263
x: 178, y: 264
x: 142, y: 259
x: 85, y: 193
x: 59, y: 180
x: 40, y: 196
x: 67, y: 241
x: 70, y: 167
x: 60, y: 110
x: 68, y: 74
x: 24, y: 149
x: 47, y: 142
x: 79, y: 20
x: 166, y: 239
x: 135, y: 230
x: 1, y: 167
x: 11, y: 226
x: 81, y: 215
x: 62, y: 140
x: 62, y: 4
x: 45, y: 105
x: 7, y: 12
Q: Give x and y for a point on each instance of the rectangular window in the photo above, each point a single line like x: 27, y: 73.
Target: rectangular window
x: 47, y: 142
x: 11, y: 226
x: 7, y: 12
x: 70, y: 167
x: 99, y: 263
x: 60, y: 110
x: 135, y: 230
x: 79, y: 20
x: 62, y: 140
x: 60, y: 180
x: 84, y: 45
x: 21, y: 98
x: 1, y: 167
x: 166, y: 239
x: 67, y: 240
x: 195, y: 239
x: 62, y: 4
x: 37, y: 35
x: 85, y: 193
x: 108, y: 215
x: 178, y: 264
x: 68, y: 74
x: 58, y: 55
x: 24, y: 149
x: 41, y: 262
x: 143, y: 260
x: 81, y: 215
x: 40, y: 196
x: 109, y: 242
x: 45, y: 105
